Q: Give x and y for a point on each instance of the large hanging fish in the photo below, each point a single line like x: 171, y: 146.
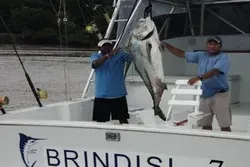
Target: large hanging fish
x: 146, y: 49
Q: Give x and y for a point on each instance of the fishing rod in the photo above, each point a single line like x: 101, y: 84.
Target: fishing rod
x: 92, y: 9
x: 26, y: 74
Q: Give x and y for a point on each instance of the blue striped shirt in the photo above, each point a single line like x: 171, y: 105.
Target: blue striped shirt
x: 206, y: 63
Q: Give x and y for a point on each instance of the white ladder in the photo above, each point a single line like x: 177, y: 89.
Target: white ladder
x: 178, y: 91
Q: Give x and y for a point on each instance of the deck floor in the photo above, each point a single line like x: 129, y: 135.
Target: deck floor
x: 240, y: 118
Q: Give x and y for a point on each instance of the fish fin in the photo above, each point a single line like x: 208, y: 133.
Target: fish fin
x: 126, y: 69
x: 127, y: 50
x: 159, y: 112
x: 148, y: 49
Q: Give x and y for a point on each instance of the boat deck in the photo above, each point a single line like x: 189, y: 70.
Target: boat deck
x: 81, y: 111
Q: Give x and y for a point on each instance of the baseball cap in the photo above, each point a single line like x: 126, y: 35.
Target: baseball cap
x: 214, y: 38
x: 103, y: 42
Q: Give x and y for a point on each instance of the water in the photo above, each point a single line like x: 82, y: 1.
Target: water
x: 46, y: 72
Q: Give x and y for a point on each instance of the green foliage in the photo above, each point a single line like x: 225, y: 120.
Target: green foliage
x: 36, y: 21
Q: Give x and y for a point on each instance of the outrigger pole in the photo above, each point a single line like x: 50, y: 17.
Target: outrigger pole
x: 26, y: 74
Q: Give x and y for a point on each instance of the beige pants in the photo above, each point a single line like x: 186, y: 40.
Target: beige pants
x: 218, y: 105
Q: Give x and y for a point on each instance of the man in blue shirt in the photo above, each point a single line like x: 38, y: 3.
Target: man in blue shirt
x: 213, y: 68
x: 110, y: 90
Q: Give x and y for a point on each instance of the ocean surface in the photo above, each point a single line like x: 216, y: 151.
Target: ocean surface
x: 46, y: 72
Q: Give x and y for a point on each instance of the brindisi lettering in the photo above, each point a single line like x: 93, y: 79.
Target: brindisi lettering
x: 82, y: 158
x: 72, y: 158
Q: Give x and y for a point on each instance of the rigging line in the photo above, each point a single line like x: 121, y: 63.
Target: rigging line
x: 60, y: 38
x: 65, y: 19
x: 59, y: 9
x: 81, y: 12
x: 58, y: 20
x: 59, y: 25
x: 26, y: 74
x: 88, y: 7
x: 60, y: 34
x: 54, y: 9
x: 91, y: 3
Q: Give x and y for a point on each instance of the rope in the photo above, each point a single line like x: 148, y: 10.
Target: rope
x: 63, y: 4
x: 65, y: 19
x: 91, y: 3
x: 78, y: 3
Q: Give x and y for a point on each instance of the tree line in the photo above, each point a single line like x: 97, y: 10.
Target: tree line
x: 42, y: 22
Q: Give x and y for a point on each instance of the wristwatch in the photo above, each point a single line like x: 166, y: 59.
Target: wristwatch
x: 200, y: 77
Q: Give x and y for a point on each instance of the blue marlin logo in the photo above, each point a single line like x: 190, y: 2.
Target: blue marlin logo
x: 27, y: 149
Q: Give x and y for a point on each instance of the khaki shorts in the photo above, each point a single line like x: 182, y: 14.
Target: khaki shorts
x: 218, y: 105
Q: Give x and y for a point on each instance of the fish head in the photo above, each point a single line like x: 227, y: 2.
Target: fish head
x: 144, y: 27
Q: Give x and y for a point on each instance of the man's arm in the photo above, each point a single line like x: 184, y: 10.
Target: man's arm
x: 98, y: 62
x: 207, y: 75
x: 211, y: 73
x: 176, y: 51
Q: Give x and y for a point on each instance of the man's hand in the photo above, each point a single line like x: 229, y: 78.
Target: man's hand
x: 193, y: 80
x: 175, y: 51
x: 114, y: 51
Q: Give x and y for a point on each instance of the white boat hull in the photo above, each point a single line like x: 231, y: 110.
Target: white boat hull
x: 87, y: 145
x: 67, y: 139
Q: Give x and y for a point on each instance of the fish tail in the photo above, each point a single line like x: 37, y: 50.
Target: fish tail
x: 159, y: 112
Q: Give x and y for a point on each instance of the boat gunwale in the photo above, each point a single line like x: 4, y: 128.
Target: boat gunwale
x: 130, y: 127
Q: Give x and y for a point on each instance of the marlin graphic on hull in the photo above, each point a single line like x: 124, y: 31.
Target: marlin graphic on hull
x: 27, y: 149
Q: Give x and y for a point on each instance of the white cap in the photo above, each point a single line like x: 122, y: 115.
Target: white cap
x: 103, y: 42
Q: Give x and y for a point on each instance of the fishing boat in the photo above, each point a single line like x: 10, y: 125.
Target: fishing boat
x: 64, y: 135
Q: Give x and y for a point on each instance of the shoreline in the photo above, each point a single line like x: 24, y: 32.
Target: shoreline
x: 43, y: 47
x: 39, y: 50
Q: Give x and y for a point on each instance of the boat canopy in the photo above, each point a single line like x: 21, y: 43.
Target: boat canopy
x: 204, y: 18
x: 195, y: 2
